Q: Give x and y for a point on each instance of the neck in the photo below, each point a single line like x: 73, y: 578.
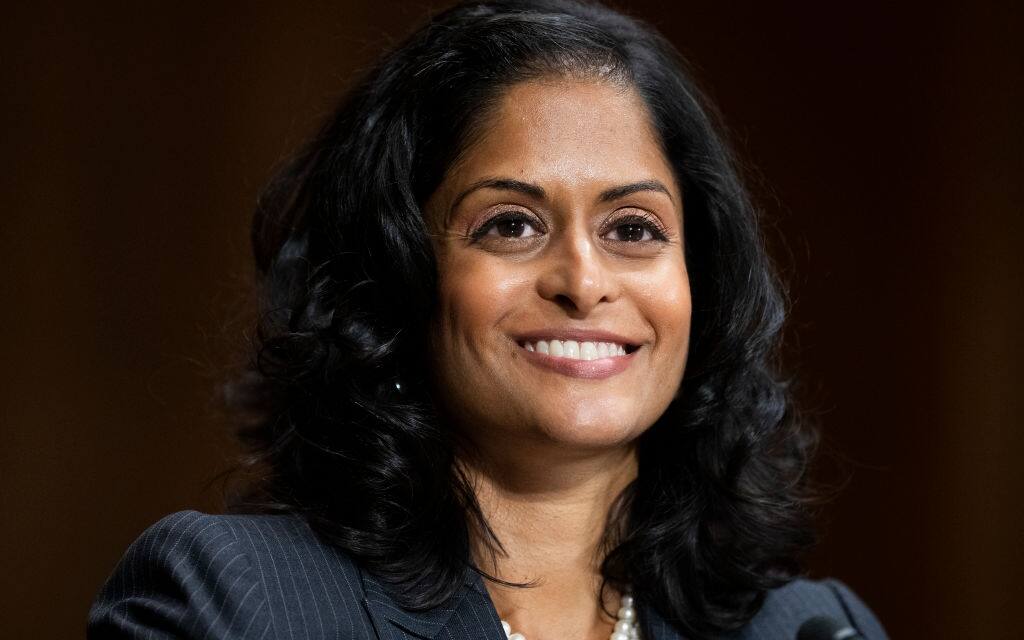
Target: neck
x: 548, y: 508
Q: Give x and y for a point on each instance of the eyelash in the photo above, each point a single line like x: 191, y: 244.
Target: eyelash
x: 646, y: 220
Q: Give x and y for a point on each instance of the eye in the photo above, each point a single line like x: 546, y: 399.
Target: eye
x: 637, y: 228
x: 511, y: 225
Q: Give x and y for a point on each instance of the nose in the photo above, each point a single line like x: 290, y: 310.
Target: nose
x: 575, y: 276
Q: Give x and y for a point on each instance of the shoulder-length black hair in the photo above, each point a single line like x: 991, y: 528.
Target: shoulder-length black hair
x: 336, y: 403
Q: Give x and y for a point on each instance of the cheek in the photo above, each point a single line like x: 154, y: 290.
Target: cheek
x: 668, y: 306
x: 475, y: 294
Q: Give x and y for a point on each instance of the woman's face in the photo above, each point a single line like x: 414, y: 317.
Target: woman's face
x: 564, y: 310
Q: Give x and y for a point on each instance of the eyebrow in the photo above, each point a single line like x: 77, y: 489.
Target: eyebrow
x: 538, y: 193
x: 501, y: 184
x: 622, y: 191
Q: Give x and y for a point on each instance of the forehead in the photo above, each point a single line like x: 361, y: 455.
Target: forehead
x: 570, y: 132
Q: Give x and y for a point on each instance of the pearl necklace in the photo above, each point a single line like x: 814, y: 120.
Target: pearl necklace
x: 627, y: 626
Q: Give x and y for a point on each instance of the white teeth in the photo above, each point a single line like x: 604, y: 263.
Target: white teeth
x: 588, y: 351
x: 577, y: 350
x: 572, y: 349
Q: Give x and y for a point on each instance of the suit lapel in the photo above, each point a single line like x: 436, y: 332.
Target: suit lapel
x: 468, y: 615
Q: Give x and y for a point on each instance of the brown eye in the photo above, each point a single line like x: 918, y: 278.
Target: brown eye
x: 636, y: 229
x: 631, y: 232
x: 509, y: 226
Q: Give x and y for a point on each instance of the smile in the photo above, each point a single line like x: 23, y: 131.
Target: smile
x: 577, y: 350
x: 588, y: 360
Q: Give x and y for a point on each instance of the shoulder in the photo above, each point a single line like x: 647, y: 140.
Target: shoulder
x: 787, y: 608
x: 220, y: 576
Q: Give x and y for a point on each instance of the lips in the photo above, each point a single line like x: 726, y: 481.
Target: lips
x: 594, y: 369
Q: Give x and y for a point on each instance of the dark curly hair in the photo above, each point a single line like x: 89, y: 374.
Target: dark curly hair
x: 336, y: 405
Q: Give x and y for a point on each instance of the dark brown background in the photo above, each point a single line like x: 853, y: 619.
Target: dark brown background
x: 889, y: 148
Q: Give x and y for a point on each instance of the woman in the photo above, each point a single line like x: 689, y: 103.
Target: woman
x: 514, y: 367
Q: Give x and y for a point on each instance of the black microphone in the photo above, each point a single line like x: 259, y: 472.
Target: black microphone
x: 822, y: 628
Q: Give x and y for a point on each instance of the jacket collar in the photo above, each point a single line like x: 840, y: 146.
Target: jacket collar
x: 470, y: 605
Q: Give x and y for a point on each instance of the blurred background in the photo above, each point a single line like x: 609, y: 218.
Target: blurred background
x: 884, y: 143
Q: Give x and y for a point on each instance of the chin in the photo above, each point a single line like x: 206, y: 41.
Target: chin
x: 593, y: 429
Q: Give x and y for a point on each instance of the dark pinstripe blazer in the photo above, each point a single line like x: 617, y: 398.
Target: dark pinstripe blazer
x: 193, y: 575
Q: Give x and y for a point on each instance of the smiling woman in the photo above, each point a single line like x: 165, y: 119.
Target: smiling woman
x: 559, y: 230
x: 514, y: 368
